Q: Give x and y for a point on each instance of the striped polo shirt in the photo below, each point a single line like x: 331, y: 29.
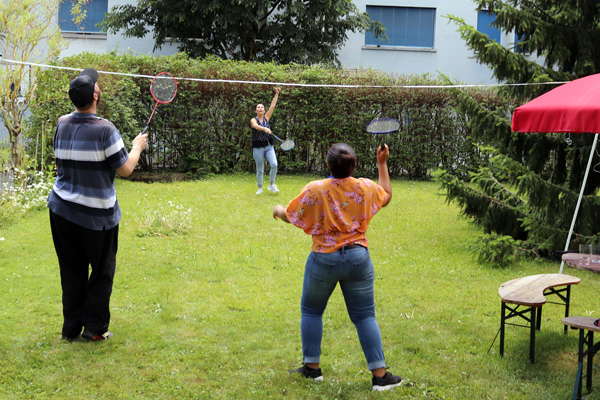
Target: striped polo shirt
x: 88, y: 150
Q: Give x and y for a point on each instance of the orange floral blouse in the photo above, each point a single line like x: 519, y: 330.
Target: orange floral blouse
x: 336, y: 212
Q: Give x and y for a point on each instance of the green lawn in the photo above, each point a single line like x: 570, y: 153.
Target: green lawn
x: 214, y: 313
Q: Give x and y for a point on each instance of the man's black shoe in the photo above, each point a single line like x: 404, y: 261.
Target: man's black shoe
x: 95, y: 337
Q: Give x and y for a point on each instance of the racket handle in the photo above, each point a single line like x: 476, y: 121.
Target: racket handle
x: 144, y: 131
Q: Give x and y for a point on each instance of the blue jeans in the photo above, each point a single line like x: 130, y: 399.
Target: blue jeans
x: 354, y: 271
x: 260, y: 153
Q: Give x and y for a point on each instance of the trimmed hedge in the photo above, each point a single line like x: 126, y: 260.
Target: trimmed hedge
x: 206, y: 129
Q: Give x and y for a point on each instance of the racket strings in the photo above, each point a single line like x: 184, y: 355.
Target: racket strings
x: 386, y: 125
x: 287, y: 145
x: 163, y: 88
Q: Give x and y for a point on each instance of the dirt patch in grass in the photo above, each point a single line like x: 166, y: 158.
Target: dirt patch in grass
x: 152, y: 177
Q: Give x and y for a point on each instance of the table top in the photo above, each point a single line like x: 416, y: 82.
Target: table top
x: 581, y: 323
x: 529, y: 290
x: 573, y: 260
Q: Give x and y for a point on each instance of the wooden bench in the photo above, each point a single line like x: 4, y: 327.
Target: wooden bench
x: 528, y: 295
x: 586, y: 348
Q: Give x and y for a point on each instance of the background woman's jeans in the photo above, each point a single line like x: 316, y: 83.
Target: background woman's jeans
x: 260, y: 153
x: 353, y: 269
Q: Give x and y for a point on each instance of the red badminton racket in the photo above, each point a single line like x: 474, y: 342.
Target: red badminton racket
x: 163, y: 89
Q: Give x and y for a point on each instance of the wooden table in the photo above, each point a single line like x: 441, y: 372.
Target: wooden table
x: 522, y: 297
x: 573, y: 260
x: 587, y: 348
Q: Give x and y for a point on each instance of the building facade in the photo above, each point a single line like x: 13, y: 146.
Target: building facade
x: 422, y: 38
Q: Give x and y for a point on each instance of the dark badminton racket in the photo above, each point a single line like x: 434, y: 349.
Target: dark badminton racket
x: 382, y: 126
x: 163, y: 89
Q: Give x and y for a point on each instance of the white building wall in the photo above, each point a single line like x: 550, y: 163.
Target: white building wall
x: 450, y: 55
x: 137, y: 46
x: 78, y: 43
x: 103, y: 42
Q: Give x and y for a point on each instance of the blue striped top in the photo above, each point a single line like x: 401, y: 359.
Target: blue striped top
x: 88, y: 150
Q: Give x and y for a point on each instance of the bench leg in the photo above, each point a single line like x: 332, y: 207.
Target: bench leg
x: 590, y: 359
x: 577, y: 388
x: 502, y: 328
x: 578, y: 376
x: 532, y: 335
x: 567, y: 302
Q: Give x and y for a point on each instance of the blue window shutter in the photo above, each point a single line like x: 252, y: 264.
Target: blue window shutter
x: 375, y: 15
x: 421, y: 22
x: 95, y: 11
x: 484, y: 25
x: 391, y: 21
x: 405, y: 26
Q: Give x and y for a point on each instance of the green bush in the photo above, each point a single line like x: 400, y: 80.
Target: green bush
x: 23, y: 191
x: 206, y: 128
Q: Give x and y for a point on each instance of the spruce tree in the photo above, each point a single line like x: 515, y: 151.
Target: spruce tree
x: 524, y: 196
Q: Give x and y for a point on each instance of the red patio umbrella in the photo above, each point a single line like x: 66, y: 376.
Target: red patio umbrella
x: 573, y: 107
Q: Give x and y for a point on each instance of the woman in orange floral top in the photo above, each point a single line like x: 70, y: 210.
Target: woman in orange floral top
x: 336, y: 212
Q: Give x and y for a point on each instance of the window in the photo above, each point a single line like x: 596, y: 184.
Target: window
x: 518, y: 47
x: 95, y: 11
x: 405, y: 26
x: 484, y: 25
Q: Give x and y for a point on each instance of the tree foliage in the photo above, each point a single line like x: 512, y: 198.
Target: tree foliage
x: 28, y: 33
x: 284, y: 31
x: 529, y: 188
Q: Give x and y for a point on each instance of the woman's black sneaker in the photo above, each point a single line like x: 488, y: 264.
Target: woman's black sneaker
x: 386, y: 382
x: 313, y: 374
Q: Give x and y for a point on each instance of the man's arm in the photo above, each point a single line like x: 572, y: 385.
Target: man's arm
x: 139, y: 144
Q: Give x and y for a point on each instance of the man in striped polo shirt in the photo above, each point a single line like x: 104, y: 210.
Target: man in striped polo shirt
x: 84, y: 211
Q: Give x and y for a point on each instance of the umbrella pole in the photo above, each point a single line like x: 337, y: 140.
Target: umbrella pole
x: 587, y: 171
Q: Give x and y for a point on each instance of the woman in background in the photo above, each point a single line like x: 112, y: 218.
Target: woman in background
x: 262, y: 144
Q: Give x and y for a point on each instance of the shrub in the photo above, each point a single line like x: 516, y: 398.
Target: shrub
x: 206, y: 128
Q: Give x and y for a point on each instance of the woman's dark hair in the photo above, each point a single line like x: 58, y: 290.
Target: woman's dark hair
x: 341, y: 160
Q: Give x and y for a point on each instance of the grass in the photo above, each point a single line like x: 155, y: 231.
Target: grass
x: 210, y: 309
